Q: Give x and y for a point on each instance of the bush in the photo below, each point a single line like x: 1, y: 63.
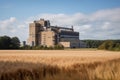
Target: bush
x: 59, y: 47
x: 26, y: 47
x: 56, y: 47
x: 117, y: 47
x: 110, y: 45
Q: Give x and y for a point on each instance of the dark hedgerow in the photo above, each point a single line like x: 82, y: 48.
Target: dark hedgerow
x: 56, y: 47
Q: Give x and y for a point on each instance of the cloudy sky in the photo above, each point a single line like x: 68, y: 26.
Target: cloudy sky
x: 94, y: 19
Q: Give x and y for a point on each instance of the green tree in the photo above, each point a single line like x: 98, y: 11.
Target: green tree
x: 117, y: 47
x: 93, y: 43
x: 5, y: 42
x: 9, y: 43
x: 15, y: 43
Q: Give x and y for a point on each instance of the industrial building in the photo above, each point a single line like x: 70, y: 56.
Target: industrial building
x: 42, y: 33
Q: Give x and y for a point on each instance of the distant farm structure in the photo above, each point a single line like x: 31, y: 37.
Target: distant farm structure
x: 42, y: 33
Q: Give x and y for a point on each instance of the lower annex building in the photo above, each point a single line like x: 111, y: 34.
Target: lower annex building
x: 42, y: 33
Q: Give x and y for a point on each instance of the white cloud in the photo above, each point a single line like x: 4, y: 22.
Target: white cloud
x: 109, y: 15
x: 103, y: 24
x: 7, y: 24
x: 106, y: 25
x: 13, y: 27
x: 21, y: 26
x: 98, y: 25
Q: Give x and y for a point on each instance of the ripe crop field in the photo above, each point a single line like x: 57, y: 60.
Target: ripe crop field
x: 59, y: 65
x: 58, y: 57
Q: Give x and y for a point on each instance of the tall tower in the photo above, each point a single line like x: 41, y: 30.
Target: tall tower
x: 44, y: 23
x: 35, y: 30
x: 34, y: 33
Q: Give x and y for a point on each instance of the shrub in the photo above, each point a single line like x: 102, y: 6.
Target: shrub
x: 56, y: 47
x: 26, y: 47
x: 110, y: 45
x: 59, y: 47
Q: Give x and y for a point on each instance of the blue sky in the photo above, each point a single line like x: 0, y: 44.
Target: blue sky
x: 26, y: 8
x: 91, y: 15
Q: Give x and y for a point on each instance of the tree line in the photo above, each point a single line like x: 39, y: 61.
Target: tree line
x: 7, y: 42
x: 103, y: 44
x: 93, y: 43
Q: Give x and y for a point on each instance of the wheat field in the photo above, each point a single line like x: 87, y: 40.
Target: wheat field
x: 59, y: 65
x: 58, y: 57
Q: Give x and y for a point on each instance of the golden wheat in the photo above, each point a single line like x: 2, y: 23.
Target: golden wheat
x: 59, y: 65
x: 58, y: 57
